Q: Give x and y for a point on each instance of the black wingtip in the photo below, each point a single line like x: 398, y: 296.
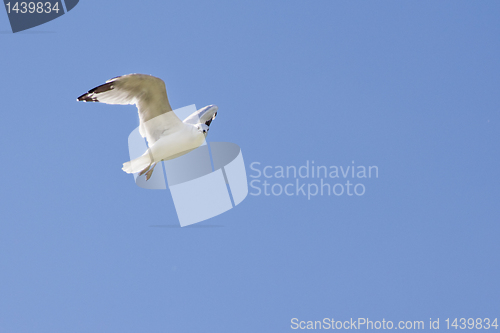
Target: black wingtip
x: 208, y: 122
x: 102, y: 88
x: 91, y: 95
x: 86, y: 98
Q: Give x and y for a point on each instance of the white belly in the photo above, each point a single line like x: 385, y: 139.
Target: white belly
x: 176, y: 144
x: 167, y: 147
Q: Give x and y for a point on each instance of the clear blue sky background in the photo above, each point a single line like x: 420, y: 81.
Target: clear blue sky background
x: 411, y: 87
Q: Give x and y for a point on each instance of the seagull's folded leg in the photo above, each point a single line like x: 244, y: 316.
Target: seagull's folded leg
x: 145, y: 169
x: 150, y: 172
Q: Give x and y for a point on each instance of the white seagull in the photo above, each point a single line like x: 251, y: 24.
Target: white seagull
x: 168, y: 137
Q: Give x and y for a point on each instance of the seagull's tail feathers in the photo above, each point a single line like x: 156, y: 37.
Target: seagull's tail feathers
x: 138, y: 164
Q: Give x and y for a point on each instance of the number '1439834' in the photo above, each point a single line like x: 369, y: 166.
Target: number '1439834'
x: 32, y: 7
x: 472, y: 323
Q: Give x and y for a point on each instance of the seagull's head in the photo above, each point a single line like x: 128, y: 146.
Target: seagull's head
x: 203, y: 128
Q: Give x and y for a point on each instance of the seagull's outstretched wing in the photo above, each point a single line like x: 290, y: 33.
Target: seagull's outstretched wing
x: 148, y: 93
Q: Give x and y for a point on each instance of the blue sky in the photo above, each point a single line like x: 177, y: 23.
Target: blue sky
x: 410, y: 87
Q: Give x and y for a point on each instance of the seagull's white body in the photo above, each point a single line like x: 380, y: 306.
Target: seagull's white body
x: 170, y: 145
x: 168, y: 137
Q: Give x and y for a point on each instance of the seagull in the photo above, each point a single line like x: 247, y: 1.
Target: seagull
x: 168, y: 137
